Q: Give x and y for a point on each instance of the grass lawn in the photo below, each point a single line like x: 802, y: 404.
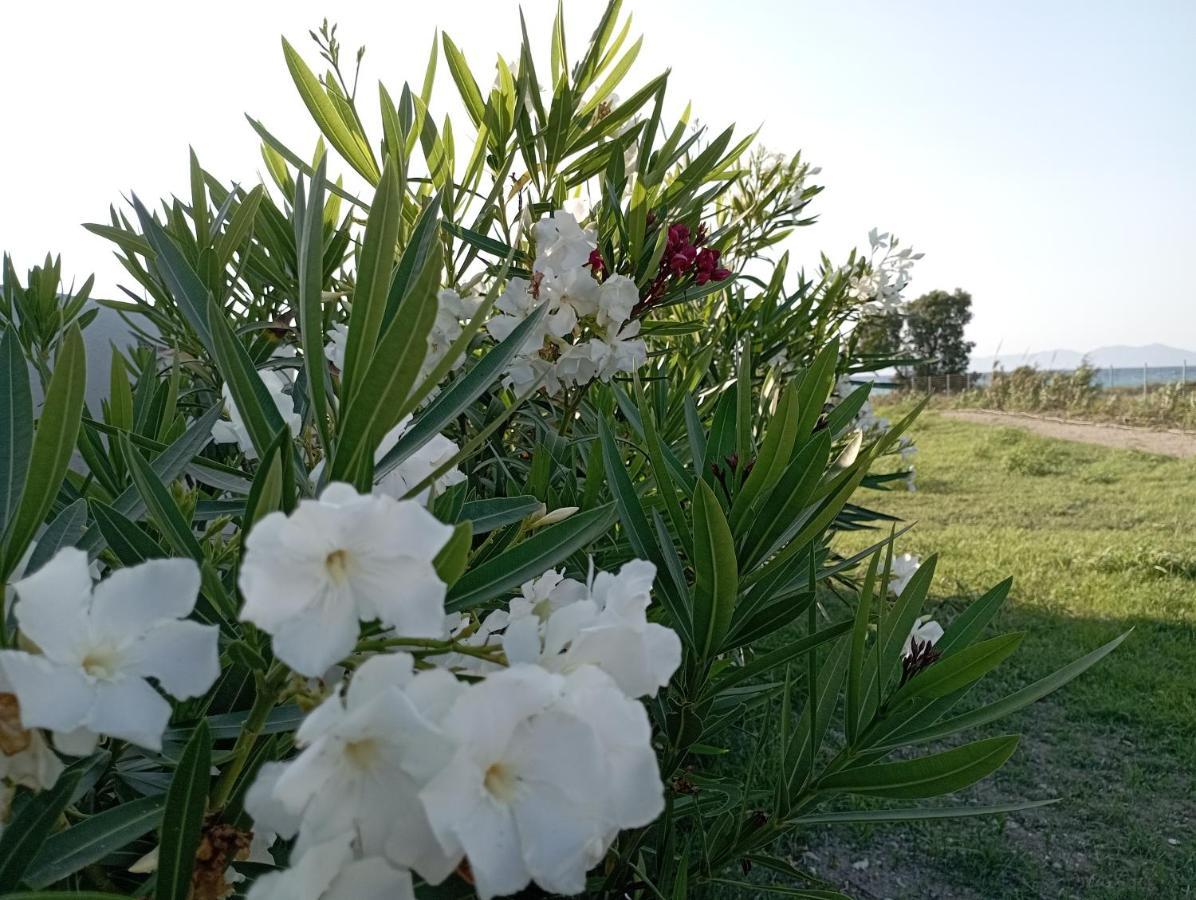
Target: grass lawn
x: 1098, y: 541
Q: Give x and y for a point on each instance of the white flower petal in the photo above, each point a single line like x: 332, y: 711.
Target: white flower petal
x: 312, y: 642
x: 58, y: 697
x: 131, y: 710
x: 182, y: 655
x: 132, y: 600
x: 52, y: 603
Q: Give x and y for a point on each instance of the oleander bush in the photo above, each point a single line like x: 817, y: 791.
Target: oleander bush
x: 464, y: 522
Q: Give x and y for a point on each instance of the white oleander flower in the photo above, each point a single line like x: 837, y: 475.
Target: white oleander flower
x: 561, y: 244
x: 98, y: 646
x: 525, y: 796
x: 903, y: 569
x: 569, y: 626
x: 515, y: 304
x: 330, y: 871
x: 616, y: 299
x: 571, y: 294
x: 234, y: 431
x: 625, y: 352
x: 451, y: 310
x: 310, y: 577
x: 367, y: 752
x: 925, y: 631
x: 580, y: 362
x: 338, y: 342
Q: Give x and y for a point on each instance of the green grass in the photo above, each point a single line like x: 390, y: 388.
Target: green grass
x: 1098, y: 541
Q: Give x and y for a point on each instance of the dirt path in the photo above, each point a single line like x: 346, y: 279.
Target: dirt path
x: 1167, y: 443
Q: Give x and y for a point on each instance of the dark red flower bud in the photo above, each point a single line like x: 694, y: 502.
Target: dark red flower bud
x: 679, y: 263
x: 720, y: 274
x: 701, y: 277
x: 707, y: 260
x: 678, y: 233
x: 597, y: 263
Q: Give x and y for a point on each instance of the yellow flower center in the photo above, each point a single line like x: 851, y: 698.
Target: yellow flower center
x: 337, y: 564
x: 501, y: 781
x: 101, y: 662
x: 363, y: 754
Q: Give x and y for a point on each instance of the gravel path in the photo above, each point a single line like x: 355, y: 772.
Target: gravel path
x: 1123, y: 437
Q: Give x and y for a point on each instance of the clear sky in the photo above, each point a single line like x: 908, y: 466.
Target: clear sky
x: 1040, y: 152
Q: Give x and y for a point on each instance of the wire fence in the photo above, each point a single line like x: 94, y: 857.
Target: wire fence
x: 1143, y: 379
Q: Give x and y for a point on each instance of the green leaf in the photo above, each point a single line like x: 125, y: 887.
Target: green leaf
x: 50, y: 454
x: 488, y: 515
x: 390, y: 374
x: 815, y: 386
x: 1013, y: 702
x: 631, y: 513
x: 927, y: 776
x: 347, y: 141
x: 373, y: 277
x: 716, y: 571
x: 182, y: 818
x: 123, y: 536
x: 24, y: 835
x: 165, y: 512
x: 273, y: 482
x: 64, y: 531
x: 959, y: 669
x: 93, y: 839
x: 188, y: 291
x: 916, y: 814
x: 453, y: 557
x: 471, y: 95
x: 309, y: 247
x: 766, y: 662
x: 16, y: 424
x: 531, y: 558
x: 256, y: 406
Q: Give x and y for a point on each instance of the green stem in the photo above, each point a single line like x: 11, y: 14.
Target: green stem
x: 263, y: 704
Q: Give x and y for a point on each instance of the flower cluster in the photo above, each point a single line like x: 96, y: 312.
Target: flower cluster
x: 682, y: 257
x: 527, y: 774
x: 886, y: 274
x: 588, y: 332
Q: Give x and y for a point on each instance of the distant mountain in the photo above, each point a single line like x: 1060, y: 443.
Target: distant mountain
x: 1118, y: 356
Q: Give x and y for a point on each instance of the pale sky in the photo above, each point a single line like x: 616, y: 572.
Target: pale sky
x: 1040, y: 152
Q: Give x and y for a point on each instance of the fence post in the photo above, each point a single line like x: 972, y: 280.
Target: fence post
x: 928, y: 382
x: 948, y: 384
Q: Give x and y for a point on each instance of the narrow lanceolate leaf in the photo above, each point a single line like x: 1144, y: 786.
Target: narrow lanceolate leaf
x: 64, y: 531
x: 16, y: 424
x: 261, y: 416
x: 716, y: 571
x: 631, y: 512
x: 859, y: 635
x: 309, y: 243
x: 916, y: 814
x: 927, y: 776
x: 346, y: 140
x: 453, y: 557
x: 93, y: 839
x: 50, y: 453
x: 182, y: 818
x: 373, y: 276
x: 24, y: 835
x: 1013, y: 702
x: 165, y: 512
x: 273, y: 482
x: 958, y: 670
x: 528, y: 559
x: 487, y: 515
x: 184, y: 285
x: 389, y: 376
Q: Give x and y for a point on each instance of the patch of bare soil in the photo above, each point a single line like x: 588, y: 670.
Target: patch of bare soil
x: 1123, y: 437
